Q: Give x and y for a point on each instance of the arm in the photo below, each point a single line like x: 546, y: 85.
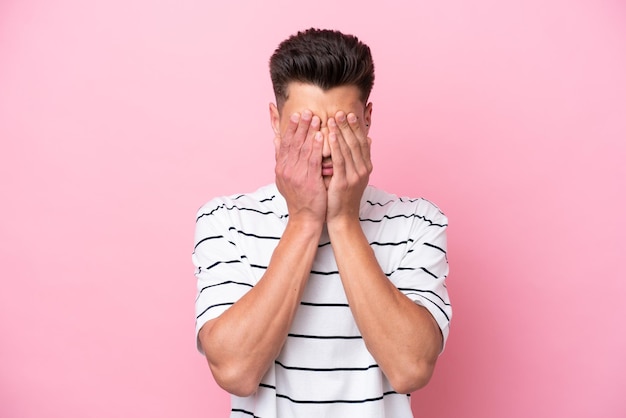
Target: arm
x: 241, y: 344
x: 402, y: 336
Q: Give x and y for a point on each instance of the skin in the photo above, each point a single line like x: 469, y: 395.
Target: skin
x: 322, y: 169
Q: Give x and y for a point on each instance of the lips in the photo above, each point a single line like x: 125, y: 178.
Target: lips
x: 327, y: 166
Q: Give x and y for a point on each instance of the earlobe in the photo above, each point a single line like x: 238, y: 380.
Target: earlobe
x: 275, y: 118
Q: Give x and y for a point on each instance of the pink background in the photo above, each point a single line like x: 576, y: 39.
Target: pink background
x: 118, y: 119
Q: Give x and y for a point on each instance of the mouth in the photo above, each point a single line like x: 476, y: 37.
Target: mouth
x: 327, y: 166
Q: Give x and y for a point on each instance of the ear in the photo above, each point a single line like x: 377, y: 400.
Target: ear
x: 367, y: 116
x: 275, y: 118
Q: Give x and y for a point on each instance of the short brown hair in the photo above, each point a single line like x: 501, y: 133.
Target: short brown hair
x: 324, y: 58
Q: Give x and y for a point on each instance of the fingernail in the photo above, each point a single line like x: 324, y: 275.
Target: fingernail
x: 306, y: 115
x: 295, y: 117
x: 352, y: 118
x: 341, y: 117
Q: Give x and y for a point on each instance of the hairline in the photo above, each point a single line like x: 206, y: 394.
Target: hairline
x: 280, y: 101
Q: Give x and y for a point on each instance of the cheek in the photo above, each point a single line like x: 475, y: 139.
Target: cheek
x: 365, y: 120
x: 282, y: 125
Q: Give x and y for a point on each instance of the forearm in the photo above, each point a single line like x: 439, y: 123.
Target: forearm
x: 402, y: 336
x: 241, y: 344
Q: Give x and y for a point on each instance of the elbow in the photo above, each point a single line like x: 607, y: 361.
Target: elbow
x: 412, y: 378
x: 234, y: 381
x: 232, y: 376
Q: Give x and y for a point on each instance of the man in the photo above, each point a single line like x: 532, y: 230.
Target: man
x: 321, y: 296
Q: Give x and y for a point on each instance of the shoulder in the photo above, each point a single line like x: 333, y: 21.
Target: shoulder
x: 380, y: 203
x: 265, y: 200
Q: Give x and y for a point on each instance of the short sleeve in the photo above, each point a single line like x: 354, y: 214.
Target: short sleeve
x: 423, y: 270
x: 222, y: 272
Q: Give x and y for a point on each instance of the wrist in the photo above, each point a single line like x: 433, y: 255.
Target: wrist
x: 306, y: 225
x: 340, y: 225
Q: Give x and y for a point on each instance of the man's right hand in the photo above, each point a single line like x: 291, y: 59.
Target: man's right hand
x: 299, y: 168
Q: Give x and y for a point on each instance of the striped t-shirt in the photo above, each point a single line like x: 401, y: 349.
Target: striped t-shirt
x: 324, y: 368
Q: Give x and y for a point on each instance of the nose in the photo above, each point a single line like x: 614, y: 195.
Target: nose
x: 326, y: 146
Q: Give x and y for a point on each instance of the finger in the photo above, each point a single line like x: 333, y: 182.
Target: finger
x: 313, y: 129
x: 285, y: 139
x: 356, y: 128
x: 356, y: 140
x: 342, y: 143
x: 339, y: 166
x: 364, y: 141
x: 315, y: 158
x: 346, y: 129
x: 296, y: 139
x: 303, y: 127
x: 349, y: 138
x: 294, y: 136
x: 292, y: 126
x: 339, y: 150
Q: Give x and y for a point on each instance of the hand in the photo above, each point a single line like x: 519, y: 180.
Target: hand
x: 299, y: 168
x: 352, y: 165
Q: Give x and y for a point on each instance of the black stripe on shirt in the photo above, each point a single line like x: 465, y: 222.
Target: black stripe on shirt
x: 267, y: 199
x: 243, y: 411
x: 434, y: 246
x: 248, y: 234
x: 420, y: 291
x: 258, y: 266
x: 306, y: 401
x: 336, y: 369
x: 225, y: 283
x: 404, y: 199
x: 431, y: 301
x: 424, y: 269
x: 234, y: 207
x: 382, y: 244
x: 327, y: 337
x: 214, y: 306
x: 221, y: 262
x: 207, y: 239
x: 329, y: 305
x: 324, y: 273
x: 378, y: 203
x: 413, y: 215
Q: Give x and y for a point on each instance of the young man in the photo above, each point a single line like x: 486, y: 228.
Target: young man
x: 321, y: 296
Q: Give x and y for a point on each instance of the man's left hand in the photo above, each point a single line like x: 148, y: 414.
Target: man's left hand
x: 352, y: 165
